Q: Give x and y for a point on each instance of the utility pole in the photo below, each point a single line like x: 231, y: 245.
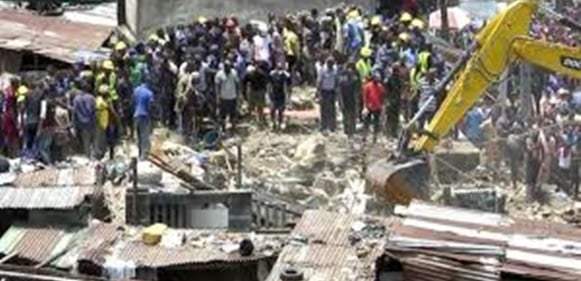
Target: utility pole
x: 445, y: 27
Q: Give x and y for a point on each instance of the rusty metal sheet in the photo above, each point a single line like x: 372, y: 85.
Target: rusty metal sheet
x: 158, y: 256
x: 49, y: 36
x: 435, y: 241
x: 83, y: 176
x: 35, y: 244
x: 324, y: 247
x: 43, y: 198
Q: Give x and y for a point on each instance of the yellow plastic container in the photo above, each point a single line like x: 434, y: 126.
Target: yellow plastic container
x: 152, y: 234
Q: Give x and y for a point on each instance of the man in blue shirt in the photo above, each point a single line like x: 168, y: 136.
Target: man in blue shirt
x: 142, y: 100
x: 84, y: 117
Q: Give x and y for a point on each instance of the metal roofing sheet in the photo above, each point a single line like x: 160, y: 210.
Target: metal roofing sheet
x: 83, y: 176
x: 333, y: 246
x: 94, y: 244
x: 158, y: 256
x: 52, y: 37
x: 43, y: 198
x: 538, y: 249
x: 433, y: 269
x: 35, y: 244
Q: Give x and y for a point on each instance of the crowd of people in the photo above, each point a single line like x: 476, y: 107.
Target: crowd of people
x: 538, y: 128
x: 375, y: 70
x: 182, y: 76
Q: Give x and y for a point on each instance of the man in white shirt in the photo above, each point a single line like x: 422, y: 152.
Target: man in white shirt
x: 228, y: 90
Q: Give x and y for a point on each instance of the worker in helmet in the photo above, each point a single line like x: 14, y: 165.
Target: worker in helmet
x: 107, y: 76
x: 364, y: 64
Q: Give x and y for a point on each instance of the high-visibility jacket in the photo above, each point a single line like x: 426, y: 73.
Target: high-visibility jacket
x: 112, y: 83
x: 292, y: 45
x: 415, y: 77
x: 424, y: 61
x: 363, y: 68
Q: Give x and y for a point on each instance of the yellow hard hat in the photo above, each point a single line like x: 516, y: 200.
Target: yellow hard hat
x: 21, y: 93
x: 405, y: 17
x: 353, y: 14
x: 108, y: 64
x: 366, y: 52
x: 418, y: 23
x: 103, y: 89
x: 120, y: 46
x: 404, y: 36
x: 202, y: 20
x: 376, y: 20
x: 153, y: 38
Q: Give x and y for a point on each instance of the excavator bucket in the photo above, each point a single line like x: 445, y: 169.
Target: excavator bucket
x: 399, y: 182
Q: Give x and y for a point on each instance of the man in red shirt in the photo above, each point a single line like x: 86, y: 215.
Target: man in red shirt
x: 373, y: 98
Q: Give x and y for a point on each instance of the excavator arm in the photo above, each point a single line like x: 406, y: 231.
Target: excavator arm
x: 553, y: 57
x: 501, y: 42
x: 477, y: 77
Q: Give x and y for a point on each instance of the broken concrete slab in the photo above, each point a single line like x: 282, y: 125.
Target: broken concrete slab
x: 450, y: 161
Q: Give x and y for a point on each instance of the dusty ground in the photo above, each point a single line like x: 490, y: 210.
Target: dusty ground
x: 311, y: 170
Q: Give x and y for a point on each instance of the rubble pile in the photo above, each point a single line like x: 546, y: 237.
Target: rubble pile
x: 312, y: 170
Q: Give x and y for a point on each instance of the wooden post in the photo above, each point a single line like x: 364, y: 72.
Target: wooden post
x: 239, y: 174
x: 445, y: 27
x: 135, y: 186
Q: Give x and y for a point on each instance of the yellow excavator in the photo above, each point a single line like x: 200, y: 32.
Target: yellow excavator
x: 501, y: 42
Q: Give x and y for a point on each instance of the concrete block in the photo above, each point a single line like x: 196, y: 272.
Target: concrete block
x: 448, y: 162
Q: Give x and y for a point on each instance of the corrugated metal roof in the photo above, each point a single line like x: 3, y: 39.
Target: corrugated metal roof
x: 94, y: 244
x: 83, y: 176
x: 104, y: 14
x: 159, y: 256
x: 35, y: 244
x: 327, y: 246
x: 436, y: 242
x: 43, y: 198
x: 52, y: 37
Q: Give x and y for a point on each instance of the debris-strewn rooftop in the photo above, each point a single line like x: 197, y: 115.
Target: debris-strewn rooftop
x: 51, y: 37
x: 440, y: 242
x: 78, y: 176
x: 333, y: 246
x: 64, y: 247
x: 59, y: 246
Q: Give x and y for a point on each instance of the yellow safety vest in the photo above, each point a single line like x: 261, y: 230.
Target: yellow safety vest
x: 423, y: 60
x: 363, y: 68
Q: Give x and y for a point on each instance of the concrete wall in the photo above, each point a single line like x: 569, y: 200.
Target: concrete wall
x: 176, y: 210
x: 143, y: 16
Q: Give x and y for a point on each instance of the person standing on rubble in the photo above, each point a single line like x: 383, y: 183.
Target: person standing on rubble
x: 103, y: 118
x: 576, y: 163
x: 34, y: 113
x: 9, y: 125
x: 228, y: 91
x: 427, y: 97
x: 373, y: 99
x: 184, y: 86
x: 533, y: 158
x: 395, y: 85
x: 280, y: 81
x: 142, y: 101
x: 349, y: 93
x: 326, y: 90
x: 255, y: 86
x: 84, y: 118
